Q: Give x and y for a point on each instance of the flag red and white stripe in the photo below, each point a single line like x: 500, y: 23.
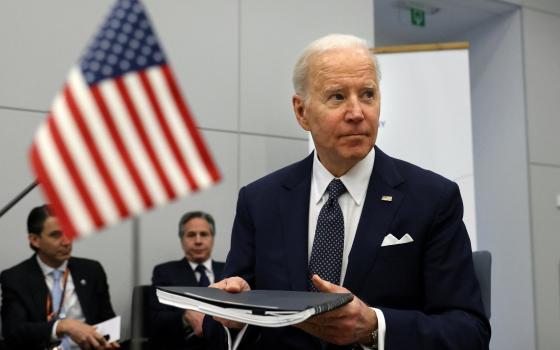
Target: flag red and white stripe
x: 118, y: 147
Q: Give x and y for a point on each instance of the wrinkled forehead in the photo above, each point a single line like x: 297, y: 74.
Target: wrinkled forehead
x: 341, y: 63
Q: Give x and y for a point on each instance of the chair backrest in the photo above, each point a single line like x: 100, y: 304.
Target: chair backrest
x: 482, y: 261
x: 140, y: 317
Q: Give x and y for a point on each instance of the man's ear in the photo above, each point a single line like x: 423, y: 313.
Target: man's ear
x: 299, y: 110
x: 33, y: 240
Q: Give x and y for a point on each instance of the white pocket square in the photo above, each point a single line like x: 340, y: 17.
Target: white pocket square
x: 392, y: 240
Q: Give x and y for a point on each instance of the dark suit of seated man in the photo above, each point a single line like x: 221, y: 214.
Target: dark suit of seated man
x: 350, y: 218
x: 170, y: 327
x: 40, y: 309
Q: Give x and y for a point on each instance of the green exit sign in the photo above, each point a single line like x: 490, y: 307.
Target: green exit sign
x: 417, y: 17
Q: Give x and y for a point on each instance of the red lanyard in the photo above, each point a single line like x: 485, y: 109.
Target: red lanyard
x: 51, y: 314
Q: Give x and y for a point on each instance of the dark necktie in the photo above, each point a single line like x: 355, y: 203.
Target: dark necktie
x: 328, y: 245
x: 203, y: 280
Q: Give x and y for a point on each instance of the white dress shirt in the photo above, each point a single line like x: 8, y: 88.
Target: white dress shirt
x: 71, y: 304
x: 351, y: 203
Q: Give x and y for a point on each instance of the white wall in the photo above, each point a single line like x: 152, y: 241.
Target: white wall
x: 233, y: 60
x: 541, y: 36
x: 501, y: 176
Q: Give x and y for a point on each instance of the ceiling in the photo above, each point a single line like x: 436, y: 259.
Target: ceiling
x: 445, y: 20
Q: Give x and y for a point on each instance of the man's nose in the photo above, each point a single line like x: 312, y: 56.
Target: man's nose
x: 66, y: 240
x: 355, y: 111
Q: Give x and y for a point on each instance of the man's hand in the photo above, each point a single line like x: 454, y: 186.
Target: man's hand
x: 351, y: 323
x: 86, y: 336
x: 232, y: 285
x: 194, y: 319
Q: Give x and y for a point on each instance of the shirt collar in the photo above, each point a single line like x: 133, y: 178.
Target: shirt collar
x: 47, y: 269
x: 207, y: 265
x: 355, y: 180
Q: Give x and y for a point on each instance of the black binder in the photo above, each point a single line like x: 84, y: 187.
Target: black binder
x: 267, y: 308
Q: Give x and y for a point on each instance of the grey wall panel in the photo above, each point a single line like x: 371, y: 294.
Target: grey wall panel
x: 16, y: 132
x: 541, y: 33
x: 501, y: 176
x: 272, y: 35
x: 158, y: 229
x: 552, y: 6
x: 41, y: 40
x: 263, y: 155
x: 545, y: 189
x: 201, y: 40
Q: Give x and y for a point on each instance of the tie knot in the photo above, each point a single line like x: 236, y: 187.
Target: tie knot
x: 335, y: 189
x: 200, y: 268
x: 57, y: 274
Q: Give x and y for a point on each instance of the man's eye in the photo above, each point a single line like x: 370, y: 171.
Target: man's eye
x: 336, y: 97
x: 369, y: 94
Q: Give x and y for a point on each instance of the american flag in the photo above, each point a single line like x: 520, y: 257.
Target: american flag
x: 119, y: 138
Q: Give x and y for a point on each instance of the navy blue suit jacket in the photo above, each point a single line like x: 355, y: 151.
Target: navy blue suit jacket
x: 24, y: 296
x: 427, y: 289
x: 167, y: 331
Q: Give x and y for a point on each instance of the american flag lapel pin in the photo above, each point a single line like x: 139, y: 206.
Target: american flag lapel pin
x: 387, y: 198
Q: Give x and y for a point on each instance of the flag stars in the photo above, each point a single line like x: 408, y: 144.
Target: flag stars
x: 127, y: 28
x: 117, y: 49
x: 139, y: 34
x: 107, y: 70
x: 129, y: 54
x: 122, y: 38
x: 105, y: 44
x: 124, y: 65
x: 134, y: 44
x: 120, y: 13
x: 126, y: 42
x: 109, y: 34
x: 115, y: 24
x: 132, y: 18
x: 146, y: 50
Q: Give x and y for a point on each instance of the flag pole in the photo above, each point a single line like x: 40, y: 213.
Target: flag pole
x: 18, y: 198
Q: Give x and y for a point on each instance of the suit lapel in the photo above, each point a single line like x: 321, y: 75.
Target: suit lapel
x: 294, y: 208
x: 376, y: 217
x: 81, y: 287
x: 185, y: 273
x: 38, y: 286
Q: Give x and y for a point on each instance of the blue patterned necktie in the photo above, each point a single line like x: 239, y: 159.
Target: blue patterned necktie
x: 56, y: 294
x: 203, y: 281
x: 328, y: 245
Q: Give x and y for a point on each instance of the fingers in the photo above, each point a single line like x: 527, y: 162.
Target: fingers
x: 195, y: 319
x: 326, y: 286
x: 232, y: 285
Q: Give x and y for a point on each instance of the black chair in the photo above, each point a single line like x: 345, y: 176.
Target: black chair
x: 482, y: 261
x: 140, y: 318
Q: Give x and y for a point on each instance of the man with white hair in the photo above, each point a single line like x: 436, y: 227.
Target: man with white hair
x: 349, y: 218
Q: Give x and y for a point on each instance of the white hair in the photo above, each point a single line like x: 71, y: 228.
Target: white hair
x: 327, y: 42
